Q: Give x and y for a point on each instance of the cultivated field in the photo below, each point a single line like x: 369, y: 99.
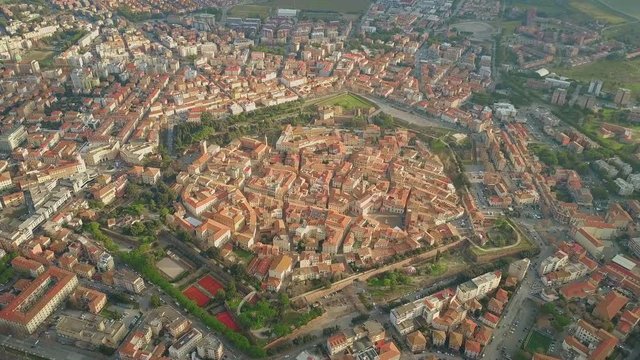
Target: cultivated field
x: 597, y: 11
x: 629, y: 7
x: 576, y: 10
x: 614, y: 73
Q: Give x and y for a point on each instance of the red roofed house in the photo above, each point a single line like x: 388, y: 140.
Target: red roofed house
x: 610, y: 305
x: 490, y: 319
x: 472, y: 349
x: 337, y: 343
x: 389, y: 351
x: 31, y: 267
x: 628, y: 321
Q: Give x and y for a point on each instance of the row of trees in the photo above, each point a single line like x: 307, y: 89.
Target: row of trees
x: 223, y: 130
x: 390, y: 279
x: 144, y: 264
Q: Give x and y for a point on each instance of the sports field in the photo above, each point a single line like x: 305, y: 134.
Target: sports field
x: 210, y: 284
x: 343, y: 6
x: 195, y: 294
x: 226, y: 318
x: 348, y: 101
x: 249, y: 11
x: 537, y: 342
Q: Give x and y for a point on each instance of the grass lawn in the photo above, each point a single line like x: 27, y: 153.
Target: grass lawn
x: 341, y: 6
x: 630, y: 7
x: 509, y: 27
x: 243, y: 254
x: 537, y: 342
x: 348, y: 101
x: 524, y: 245
x: 614, y: 73
x: 252, y: 11
x: 38, y: 54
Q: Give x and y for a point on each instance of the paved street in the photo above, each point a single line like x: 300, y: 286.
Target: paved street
x: 46, y: 348
x: 520, y: 312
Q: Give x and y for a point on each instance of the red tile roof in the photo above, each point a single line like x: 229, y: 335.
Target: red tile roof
x: 13, y: 311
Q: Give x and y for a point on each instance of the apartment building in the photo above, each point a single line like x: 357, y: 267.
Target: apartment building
x: 129, y: 281
x: 210, y: 348
x: 518, y: 269
x: 554, y: 262
x: 38, y: 300
x: 11, y: 138
x: 88, y: 299
x: 185, y: 344
x: 478, y: 286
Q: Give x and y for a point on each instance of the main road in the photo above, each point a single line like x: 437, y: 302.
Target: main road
x: 515, y: 309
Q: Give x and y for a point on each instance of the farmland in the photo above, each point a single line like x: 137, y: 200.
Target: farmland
x: 630, y: 7
x: 577, y: 10
x: 614, y: 73
x: 597, y: 11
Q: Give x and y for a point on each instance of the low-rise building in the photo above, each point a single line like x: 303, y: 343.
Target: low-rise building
x: 95, y: 331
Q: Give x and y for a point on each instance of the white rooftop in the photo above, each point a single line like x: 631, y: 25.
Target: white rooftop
x: 624, y: 262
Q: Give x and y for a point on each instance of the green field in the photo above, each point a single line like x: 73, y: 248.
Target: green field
x: 575, y: 10
x: 614, y: 73
x: 548, y: 7
x: 342, y: 6
x: 348, y: 101
x: 597, y: 11
x: 537, y: 342
x: 629, y: 7
x: 251, y: 11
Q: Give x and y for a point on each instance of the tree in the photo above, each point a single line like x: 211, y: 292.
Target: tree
x: 384, y: 121
x: 137, y: 229
x: 231, y: 289
x: 599, y: 193
x: 283, y: 299
x: 155, y: 301
x: 221, y: 295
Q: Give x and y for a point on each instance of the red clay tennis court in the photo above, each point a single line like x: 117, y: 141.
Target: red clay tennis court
x: 196, y: 295
x: 210, y: 284
x: 226, y: 318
